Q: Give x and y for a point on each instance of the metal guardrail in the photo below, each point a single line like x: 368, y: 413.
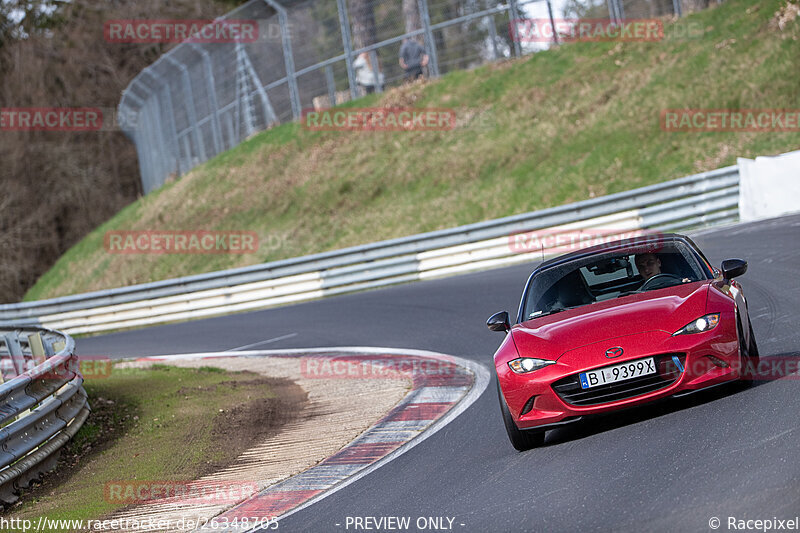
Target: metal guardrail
x: 42, y: 404
x: 694, y: 201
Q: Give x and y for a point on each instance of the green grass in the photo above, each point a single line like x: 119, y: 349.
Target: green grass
x: 575, y: 122
x: 152, y: 424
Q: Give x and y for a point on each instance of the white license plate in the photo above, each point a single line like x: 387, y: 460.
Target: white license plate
x: 620, y: 372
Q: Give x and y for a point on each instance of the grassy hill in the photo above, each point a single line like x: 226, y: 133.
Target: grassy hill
x: 578, y: 121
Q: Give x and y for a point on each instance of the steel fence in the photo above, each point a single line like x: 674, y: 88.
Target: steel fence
x: 199, y: 100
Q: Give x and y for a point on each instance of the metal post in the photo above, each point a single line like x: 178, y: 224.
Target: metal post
x: 288, y: 57
x: 433, y: 59
x: 229, y: 127
x: 493, y: 36
x: 156, y: 174
x: 331, y: 85
x: 144, y: 153
x: 135, y: 135
x: 162, y: 145
x: 344, y: 23
x: 176, y: 153
x: 190, y: 108
x: 170, y: 119
x: 552, y: 21
x: 612, y: 15
x: 153, y: 106
x: 269, y: 112
x: 187, y: 148
x: 373, y: 60
x: 212, y: 95
x: 513, y: 12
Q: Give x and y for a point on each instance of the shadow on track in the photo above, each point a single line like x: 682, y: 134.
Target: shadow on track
x: 617, y: 419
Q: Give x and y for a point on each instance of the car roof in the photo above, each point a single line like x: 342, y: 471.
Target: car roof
x: 633, y: 242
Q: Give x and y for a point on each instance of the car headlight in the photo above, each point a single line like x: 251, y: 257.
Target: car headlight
x: 523, y: 365
x: 704, y: 323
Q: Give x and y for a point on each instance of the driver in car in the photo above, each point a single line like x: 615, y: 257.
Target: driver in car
x: 648, y: 265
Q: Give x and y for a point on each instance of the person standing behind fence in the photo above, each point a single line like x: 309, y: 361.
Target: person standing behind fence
x: 413, y: 58
x: 365, y: 76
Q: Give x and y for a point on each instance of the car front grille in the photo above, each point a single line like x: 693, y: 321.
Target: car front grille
x: 569, y: 388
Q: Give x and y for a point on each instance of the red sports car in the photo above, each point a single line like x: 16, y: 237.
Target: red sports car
x: 619, y: 325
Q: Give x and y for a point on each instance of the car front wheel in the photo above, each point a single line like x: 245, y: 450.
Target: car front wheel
x: 748, y: 354
x: 521, y: 439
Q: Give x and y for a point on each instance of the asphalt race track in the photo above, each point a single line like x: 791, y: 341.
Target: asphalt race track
x: 668, y: 467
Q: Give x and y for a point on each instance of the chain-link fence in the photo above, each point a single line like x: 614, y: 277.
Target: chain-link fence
x: 203, y: 98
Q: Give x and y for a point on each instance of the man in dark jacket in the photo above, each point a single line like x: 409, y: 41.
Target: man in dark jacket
x: 412, y: 58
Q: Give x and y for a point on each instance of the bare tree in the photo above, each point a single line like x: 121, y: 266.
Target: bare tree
x: 59, y: 186
x: 411, y: 16
x: 363, y: 22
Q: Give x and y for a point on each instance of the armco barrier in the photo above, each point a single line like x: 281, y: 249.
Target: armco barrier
x: 694, y: 201
x: 42, y: 404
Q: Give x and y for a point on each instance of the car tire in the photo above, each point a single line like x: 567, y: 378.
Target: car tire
x: 752, y: 350
x: 748, y: 355
x: 521, y: 440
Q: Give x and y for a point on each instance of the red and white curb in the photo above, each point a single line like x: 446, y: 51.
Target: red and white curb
x: 443, y: 387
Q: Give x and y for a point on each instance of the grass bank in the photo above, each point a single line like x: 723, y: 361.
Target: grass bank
x: 158, y: 424
x: 574, y: 122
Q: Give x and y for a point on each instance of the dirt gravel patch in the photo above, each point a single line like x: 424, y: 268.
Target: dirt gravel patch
x: 335, y: 412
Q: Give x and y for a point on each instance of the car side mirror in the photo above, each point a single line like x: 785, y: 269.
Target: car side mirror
x: 499, y: 322
x: 732, y: 268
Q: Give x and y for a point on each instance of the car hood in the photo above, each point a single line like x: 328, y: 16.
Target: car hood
x: 665, y: 310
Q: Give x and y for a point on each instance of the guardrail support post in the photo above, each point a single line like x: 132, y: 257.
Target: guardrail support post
x: 37, y: 348
x: 15, y: 351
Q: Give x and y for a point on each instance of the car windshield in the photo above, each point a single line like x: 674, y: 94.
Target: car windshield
x: 609, y: 275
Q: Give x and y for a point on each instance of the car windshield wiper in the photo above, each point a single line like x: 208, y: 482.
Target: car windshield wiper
x: 539, y: 314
